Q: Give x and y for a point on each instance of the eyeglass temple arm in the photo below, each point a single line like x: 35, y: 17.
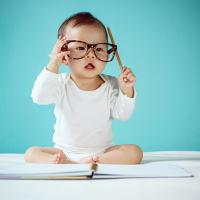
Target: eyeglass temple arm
x: 117, y: 54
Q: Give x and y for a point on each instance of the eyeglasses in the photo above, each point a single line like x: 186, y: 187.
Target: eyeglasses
x: 78, y: 49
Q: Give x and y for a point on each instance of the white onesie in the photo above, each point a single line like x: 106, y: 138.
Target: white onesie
x: 83, y: 118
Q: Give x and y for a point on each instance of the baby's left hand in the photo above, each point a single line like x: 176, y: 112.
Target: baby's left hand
x: 127, y: 80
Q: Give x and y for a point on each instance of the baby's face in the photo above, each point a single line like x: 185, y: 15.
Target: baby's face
x: 92, y: 35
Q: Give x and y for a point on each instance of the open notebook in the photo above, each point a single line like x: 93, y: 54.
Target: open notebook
x: 89, y: 171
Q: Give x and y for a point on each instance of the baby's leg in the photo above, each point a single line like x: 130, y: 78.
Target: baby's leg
x: 122, y: 154
x: 46, y: 155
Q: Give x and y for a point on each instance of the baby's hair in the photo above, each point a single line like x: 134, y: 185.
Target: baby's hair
x: 78, y: 19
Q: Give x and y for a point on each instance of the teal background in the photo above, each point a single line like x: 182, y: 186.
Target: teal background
x: 159, y: 40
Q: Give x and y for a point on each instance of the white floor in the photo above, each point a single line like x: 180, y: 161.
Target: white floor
x: 135, y: 188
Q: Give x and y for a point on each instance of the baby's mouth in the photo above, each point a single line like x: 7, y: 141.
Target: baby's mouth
x: 90, y: 66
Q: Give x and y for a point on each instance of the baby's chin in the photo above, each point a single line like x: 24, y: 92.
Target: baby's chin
x: 84, y: 74
x: 88, y: 71
x: 91, y: 74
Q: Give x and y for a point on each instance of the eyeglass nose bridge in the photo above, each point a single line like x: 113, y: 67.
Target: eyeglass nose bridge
x: 89, y: 46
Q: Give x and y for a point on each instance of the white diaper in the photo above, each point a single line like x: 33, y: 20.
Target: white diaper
x: 75, y: 156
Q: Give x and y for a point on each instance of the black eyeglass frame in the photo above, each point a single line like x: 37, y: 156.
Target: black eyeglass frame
x: 113, y: 49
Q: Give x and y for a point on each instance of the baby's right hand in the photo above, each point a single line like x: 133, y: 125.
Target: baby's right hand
x: 57, y: 57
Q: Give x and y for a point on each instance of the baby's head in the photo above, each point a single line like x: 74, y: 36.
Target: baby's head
x: 87, y: 42
x: 82, y: 19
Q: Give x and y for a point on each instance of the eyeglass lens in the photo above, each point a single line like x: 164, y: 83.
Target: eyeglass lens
x: 104, y: 52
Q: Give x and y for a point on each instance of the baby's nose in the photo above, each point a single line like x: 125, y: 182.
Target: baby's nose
x: 90, y: 53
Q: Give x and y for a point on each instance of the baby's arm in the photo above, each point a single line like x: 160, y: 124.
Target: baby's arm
x: 49, y: 85
x: 123, y: 96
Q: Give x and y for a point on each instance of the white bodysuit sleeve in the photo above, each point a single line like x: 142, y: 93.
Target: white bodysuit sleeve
x: 122, y: 106
x: 48, y: 88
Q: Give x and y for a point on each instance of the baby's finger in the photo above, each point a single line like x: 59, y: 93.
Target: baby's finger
x: 129, y: 71
x: 131, y: 79
x: 64, y: 53
x: 61, y: 42
x: 122, y: 78
x: 61, y: 38
x: 130, y: 76
x: 126, y: 71
x: 60, y: 45
x: 56, y: 47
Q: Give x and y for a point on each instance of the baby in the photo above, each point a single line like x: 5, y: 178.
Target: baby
x: 86, y: 101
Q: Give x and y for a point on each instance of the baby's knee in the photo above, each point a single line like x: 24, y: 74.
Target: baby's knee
x: 30, y: 153
x: 136, y: 153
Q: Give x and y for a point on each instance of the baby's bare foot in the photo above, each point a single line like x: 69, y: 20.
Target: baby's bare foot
x: 49, y: 159
x: 89, y: 159
x: 61, y: 158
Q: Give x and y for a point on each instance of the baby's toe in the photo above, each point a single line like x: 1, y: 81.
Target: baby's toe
x: 57, y: 159
x: 95, y: 158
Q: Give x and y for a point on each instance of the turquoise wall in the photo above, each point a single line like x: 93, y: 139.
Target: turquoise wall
x: 159, y: 40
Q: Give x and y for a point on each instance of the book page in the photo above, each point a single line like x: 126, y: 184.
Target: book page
x: 141, y: 170
x: 44, y: 170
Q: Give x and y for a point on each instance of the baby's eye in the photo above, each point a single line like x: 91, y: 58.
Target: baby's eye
x: 80, y: 48
x: 99, y: 49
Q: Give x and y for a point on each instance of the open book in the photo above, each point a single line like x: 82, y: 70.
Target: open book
x: 89, y: 171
